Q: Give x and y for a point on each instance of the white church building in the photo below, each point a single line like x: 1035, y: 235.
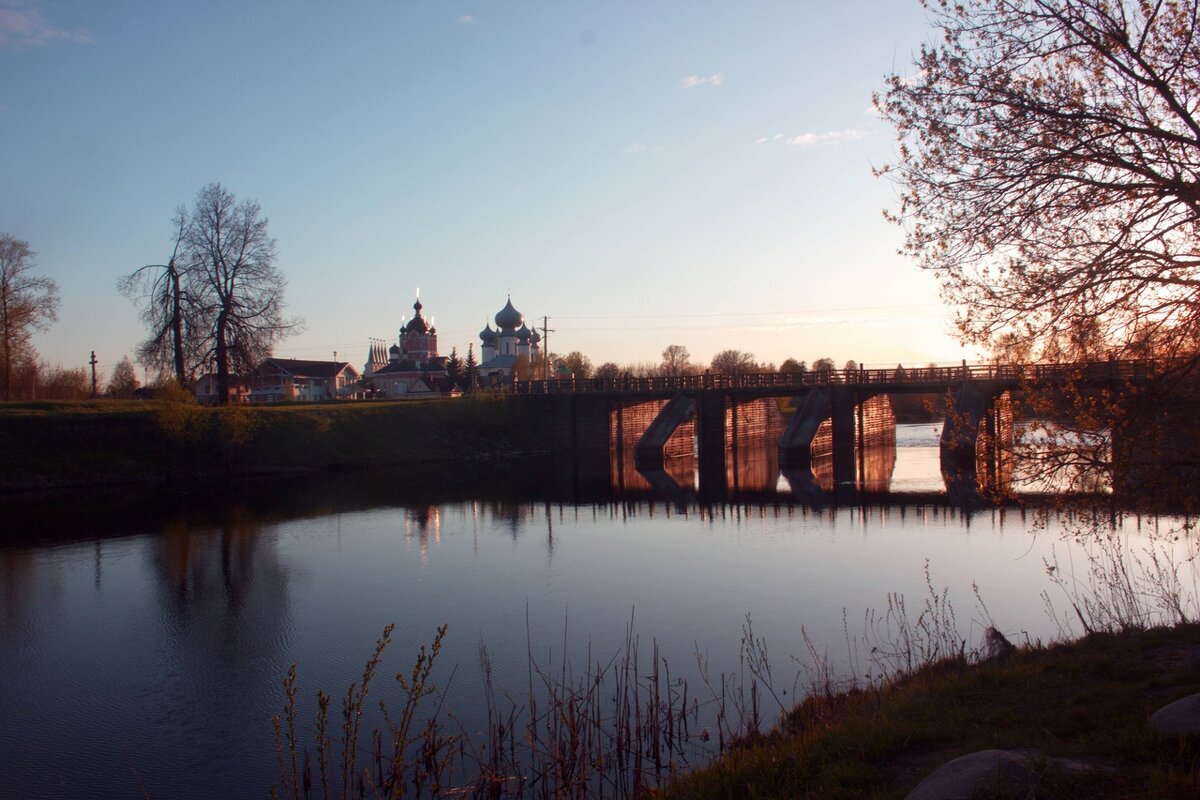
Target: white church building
x: 511, y: 343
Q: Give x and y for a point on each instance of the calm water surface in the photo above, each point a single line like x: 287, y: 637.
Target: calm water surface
x: 143, y: 640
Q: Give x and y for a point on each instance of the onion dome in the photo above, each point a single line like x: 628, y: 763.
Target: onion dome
x: 535, y: 337
x: 394, y: 351
x: 417, y: 324
x: 487, y: 335
x: 508, y: 317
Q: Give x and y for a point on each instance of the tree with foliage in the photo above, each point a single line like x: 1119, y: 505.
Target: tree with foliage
x: 575, y: 364
x: 676, y: 361
x: 851, y: 366
x: 454, y: 367
x: 823, y: 365
x: 123, y: 382
x: 28, y: 302
x: 522, y: 369
x: 793, y: 366
x: 471, y: 371
x: 1049, y: 166
x: 609, y: 371
x: 733, y: 362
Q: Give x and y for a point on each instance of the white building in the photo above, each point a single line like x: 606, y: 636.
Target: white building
x: 502, y: 349
x: 278, y: 379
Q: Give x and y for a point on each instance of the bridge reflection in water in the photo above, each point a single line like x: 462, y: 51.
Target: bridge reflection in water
x: 754, y: 474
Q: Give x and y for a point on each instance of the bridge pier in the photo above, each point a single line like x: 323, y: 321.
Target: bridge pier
x: 843, y: 416
x: 977, y: 438
x: 649, y: 450
x: 710, y: 440
x: 723, y: 428
x: 838, y: 422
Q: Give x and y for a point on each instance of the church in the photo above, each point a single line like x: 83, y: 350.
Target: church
x: 411, y: 368
x: 503, y: 349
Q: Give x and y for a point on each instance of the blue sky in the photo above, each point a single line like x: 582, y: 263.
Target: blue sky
x: 643, y: 173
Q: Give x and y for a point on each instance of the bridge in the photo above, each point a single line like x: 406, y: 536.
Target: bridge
x: 838, y: 414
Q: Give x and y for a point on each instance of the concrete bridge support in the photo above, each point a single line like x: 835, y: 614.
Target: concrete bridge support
x: 844, y: 416
x: 977, y: 437
x: 629, y: 422
x: 797, y: 445
x: 727, y: 428
x: 836, y: 422
x: 649, y: 449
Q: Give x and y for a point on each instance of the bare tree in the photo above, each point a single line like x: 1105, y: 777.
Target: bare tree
x: 27, y: 303
x: 733, y: 362
x: 169, y: 309
x: 676, y: 361
x: 65, y: 384
x: 1011, y: 348
x: 1049, y: 166
x: 237, y: 289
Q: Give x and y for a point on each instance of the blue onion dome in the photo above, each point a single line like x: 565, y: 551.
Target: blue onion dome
x: 535, y: 337
x: 508, y: 317
x: 487, y: 334
x: 523, y: 333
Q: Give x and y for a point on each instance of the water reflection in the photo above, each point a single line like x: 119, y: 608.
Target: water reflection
x: 756, y: 474
x: 151, y: 629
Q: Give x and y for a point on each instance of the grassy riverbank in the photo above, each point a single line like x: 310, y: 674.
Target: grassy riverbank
x: 1088, y: 701
x: 63, y: 444
x: 1077, y: 713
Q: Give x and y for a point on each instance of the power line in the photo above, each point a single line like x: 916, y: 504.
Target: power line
x: 823, y: 310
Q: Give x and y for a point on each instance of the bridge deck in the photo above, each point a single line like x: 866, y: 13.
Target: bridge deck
x: 901, y: 379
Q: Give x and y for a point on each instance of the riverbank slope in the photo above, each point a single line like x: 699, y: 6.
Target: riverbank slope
x: 1079, y: 710
x: 68, y: 444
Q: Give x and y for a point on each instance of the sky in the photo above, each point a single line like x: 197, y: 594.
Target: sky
x: 640, y: 173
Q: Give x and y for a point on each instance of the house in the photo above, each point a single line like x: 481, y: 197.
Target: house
x: 207, y: 393
x: 278, y: 379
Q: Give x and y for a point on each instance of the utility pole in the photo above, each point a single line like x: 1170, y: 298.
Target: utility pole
x: 93, y: 363
x: 546, y: 331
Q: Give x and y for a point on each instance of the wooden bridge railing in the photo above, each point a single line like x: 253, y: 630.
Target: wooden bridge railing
x: 1095, y: 371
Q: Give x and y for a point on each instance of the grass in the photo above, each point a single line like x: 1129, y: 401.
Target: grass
x: 1088, y: 699
x: 57, y: 444
x: 629, y: 727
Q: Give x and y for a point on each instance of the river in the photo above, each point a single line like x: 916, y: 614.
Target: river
x: 143, y: 638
